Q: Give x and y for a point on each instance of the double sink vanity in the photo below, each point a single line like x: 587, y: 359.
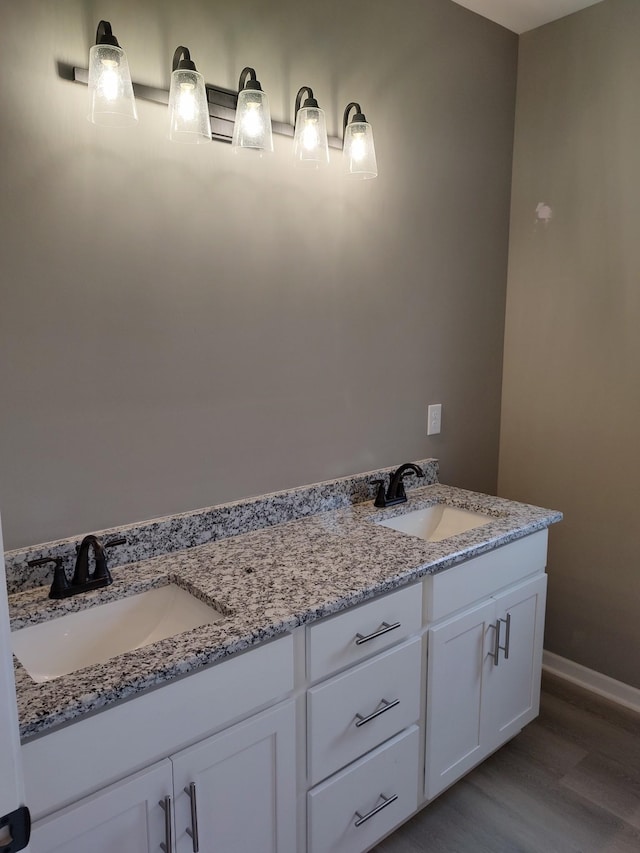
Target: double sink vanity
x: 297, y: 673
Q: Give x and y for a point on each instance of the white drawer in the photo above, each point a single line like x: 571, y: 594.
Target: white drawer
x: 359, y: 709
x: 351, y: 636
x: 462, y: 585
x: 360, y: 792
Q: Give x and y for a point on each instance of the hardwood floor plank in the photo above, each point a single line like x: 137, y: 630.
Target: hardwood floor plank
x: 609, y: 784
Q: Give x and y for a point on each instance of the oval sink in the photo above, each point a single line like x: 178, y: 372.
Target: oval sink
x: 437, y: 522
x: 97, y: 634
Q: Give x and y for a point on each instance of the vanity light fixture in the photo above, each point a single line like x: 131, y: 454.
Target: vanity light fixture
x: 110, y: 89
x: 310, y: 145
x: 201, y: 111
x: 188, y: 109
x: 252, y: 127
x: 358, y: 153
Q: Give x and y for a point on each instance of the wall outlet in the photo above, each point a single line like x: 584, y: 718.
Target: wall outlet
x: 434, y: 419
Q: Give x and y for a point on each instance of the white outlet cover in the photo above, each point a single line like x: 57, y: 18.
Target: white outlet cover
x: 434, y: 419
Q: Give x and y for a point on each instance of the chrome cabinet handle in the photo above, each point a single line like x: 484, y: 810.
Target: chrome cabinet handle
x: 507, y: 636
x: 165, y: 805
x: 193, y: 832
x: 387, y: 802
x: 383, y: 706
x: 383, y: 629
x: 507, y: 639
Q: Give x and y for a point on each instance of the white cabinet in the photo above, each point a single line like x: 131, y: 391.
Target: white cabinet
x: 360, y: 684
x: 483, y: 680
x: 241, y: 796
x: 126, y: 816
x: 236, y: 791
x: 100, y: 749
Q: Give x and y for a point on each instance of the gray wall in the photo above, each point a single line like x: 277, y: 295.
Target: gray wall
x: 180, y: 327
x: 571, y: 400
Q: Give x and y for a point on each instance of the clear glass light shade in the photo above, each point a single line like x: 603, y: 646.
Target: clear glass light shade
x: 188, y: 109
x: 359, y: 153
x: 110, y: 90
x: 252, y: 128
x: 310, y: 146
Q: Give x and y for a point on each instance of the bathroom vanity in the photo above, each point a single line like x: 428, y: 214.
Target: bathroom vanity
x: 357, y: 671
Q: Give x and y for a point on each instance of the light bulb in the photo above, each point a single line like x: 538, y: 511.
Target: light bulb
x: 252, y: 123
x: 109, y: 80
x: 310, y: 137
x: 358, y: 147
x: 187, y: 102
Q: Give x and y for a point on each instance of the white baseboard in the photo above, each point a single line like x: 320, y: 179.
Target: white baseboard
x: 596, y: 682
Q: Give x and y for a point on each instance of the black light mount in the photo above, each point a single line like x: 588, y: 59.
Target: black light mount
x: 248, y: 80
x: 359, y: 115
x: 105, y: 36
x: 310, y: 101
x: 182, y: 60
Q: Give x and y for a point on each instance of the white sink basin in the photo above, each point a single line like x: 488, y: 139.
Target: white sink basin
x: 436, y: 522
x: 97, y: 634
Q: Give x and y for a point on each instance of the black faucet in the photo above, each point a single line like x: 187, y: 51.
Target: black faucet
x: 100, y: 576
x: 83, y: 580
x: 395, y: 494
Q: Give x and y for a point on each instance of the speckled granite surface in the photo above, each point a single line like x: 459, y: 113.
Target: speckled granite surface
x: 160, y: 536
x: 266, y: 582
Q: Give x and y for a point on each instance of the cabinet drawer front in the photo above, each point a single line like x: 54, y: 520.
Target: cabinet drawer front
x: 462, y: 585
x: 358, y: 710
x: 355, y: 634
x: 359, y: 793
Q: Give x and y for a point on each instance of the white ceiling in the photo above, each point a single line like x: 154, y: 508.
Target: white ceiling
x: 523, y: 15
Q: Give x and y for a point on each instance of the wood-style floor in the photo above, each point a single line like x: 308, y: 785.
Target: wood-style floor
x: 569, y: 783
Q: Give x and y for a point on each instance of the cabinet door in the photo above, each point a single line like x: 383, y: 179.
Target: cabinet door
x: 125, y: 816
x: 237, y: 790
x: 513, y: 694
x: 455, y: 731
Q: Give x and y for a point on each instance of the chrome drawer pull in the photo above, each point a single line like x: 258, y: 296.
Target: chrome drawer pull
x: 387, y: 802
x: 165, y: 805
x: 193, y: 832
x: 383, y: 629
x: 383, y: 706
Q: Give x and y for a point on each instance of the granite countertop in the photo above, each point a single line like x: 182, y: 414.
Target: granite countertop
x: 264, y: 582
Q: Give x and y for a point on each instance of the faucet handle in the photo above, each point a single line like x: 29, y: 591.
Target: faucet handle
x: 60, y: 581
x: 380, y: 500
x: 101, y: 571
